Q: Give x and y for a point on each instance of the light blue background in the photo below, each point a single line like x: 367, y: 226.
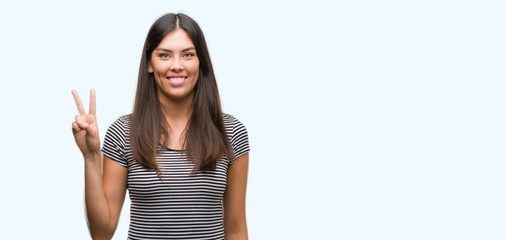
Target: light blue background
x: 367, y: 119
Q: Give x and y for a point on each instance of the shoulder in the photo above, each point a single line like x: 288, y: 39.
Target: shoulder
x: 232, y: 123
x: 238, y: 136
x: 228, y: 117
x: 123, y: 122
x: 120, y: 128
x: 125, y: 119
x: 116, y: 142
x: 234, y: 128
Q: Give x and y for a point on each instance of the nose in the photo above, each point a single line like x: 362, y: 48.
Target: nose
x: 176, y: 64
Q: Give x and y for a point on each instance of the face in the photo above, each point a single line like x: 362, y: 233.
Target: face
x: 175, y: 66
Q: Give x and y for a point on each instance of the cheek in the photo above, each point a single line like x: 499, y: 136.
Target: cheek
x: 159, y: 73
x: 195, y: 68
x: 159, y: 66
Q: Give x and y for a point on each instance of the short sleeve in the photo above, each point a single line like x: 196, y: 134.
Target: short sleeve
x: 114, y: 142
x: 239, y: 139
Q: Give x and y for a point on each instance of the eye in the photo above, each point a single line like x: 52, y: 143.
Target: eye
x: 188, y: 55
x: 163, y: 55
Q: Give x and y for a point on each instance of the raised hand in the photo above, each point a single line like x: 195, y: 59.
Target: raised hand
x: 85, y: 127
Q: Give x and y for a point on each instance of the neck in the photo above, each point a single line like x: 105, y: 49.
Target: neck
x: 177, y: 112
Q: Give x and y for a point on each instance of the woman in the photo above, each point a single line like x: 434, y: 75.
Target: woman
x: 183, y: 161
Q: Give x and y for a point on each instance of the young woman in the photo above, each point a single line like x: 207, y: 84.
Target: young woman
x: 183, y: 161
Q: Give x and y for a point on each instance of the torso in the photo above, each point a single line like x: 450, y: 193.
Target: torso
x: 180, y: 205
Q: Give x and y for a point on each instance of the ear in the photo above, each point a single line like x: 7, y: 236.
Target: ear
x: 150, y: 68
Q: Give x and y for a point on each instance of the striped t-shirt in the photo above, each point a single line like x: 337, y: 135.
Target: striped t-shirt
x: 181, y: 205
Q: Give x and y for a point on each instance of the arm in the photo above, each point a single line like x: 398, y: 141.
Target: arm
x: 104, y: 194
x: 234, y: 200
x: 104, y: 197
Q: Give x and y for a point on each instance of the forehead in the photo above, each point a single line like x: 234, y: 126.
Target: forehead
x: 176, y: 40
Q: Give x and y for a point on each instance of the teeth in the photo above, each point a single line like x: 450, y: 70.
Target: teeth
x: 176, y: 80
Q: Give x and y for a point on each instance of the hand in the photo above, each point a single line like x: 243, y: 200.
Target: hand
x: 85, y: 127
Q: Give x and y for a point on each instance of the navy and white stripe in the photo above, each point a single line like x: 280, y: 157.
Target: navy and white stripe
x: 180, y: 206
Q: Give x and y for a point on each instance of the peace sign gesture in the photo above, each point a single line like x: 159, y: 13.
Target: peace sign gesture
x: 85, y: 127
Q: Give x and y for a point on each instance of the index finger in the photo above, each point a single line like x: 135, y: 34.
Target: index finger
x: 93, y: 102
x: 79, y: 104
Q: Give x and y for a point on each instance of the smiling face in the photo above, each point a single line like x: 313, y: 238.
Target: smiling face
x: 175, y: 66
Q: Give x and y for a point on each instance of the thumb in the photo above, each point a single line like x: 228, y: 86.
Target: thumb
x: 82, y: 124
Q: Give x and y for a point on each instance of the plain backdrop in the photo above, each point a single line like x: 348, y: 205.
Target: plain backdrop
x: 367, y: 119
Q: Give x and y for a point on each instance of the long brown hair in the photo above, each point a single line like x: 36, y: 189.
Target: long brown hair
x: 205, y: 139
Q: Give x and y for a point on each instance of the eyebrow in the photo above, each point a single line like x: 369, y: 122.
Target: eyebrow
x: 168, y: 50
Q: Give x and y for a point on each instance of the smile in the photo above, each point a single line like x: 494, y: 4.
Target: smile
x: 177, y: 80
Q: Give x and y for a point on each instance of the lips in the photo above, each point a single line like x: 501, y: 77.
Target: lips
x: 176, y: 80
